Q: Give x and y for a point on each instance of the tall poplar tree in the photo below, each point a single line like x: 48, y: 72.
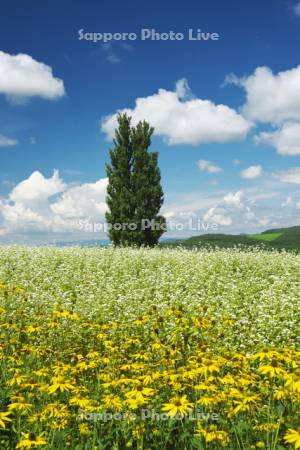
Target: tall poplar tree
x: 134, y: 193
x: 119, y: 189
x: 147, y: 189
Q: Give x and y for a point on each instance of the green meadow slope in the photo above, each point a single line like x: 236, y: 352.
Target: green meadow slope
x: 281, y: 238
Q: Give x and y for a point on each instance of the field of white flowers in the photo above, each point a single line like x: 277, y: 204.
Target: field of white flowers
x: 121, y: 330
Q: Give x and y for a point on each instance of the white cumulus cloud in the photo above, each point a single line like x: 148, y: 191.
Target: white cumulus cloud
x: 272, y: 98
x: 219, y: 216
x: 7, y: 142
x: 234, y: 209
x: 22, y: 77
x: 234, y: 199
x: 286, y: 139
x: 83, y: 201
x: 207, y: 166
x: 47, y: 205
x: 37, y: 188
x: 182, y: 119
x: 252, y: 172
x: 291, y: 176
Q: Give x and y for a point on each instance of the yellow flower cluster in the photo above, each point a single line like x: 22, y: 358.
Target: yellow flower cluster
x: 157, y: 381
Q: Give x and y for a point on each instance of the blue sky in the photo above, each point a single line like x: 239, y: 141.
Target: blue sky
x: 236, y: 165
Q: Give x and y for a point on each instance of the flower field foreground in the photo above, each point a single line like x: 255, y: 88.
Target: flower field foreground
x: 149, y: 349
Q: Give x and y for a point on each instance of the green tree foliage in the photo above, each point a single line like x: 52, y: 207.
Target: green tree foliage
x: 134, y: 193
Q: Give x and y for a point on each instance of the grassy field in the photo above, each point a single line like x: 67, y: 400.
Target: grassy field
x: 266, y: 236
x: 149, y: 349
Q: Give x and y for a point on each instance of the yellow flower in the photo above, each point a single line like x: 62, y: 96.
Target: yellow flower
x: 156, y: 345
x: 66, y: 314
x: 293, y: 383
x: 208, y: 401
x: 271, y: 370
x: 54, y: 410
x: 20, y: 405
x: 84, y: 428
x: 33, y: 328
x: 177, y: 405
x: 138, y: 396
x: 134, y: 403
x: 293, y: 437
x: 138, y: 431
x: 60, y: 368
x: 268, y: 426
x: 207, y: 386
x: 59, y: 424
x: 43, y: 372
x: 81, y: 366
x: 30, y: 440
x: 246, y: 404
x: 139, y: 392
x: 265, y: 354
x: 60, y: 384
x: 34, y: 418
x: 17, y: 379
x: 18, y: 290
x: 150, y: 377
x: 4, y: 418
x: 227, y: 379
x: 101, y: 335
x: 112, y: 401
x: 53, y: 324
x: 207, y: 367
x: 140, y: 321
x: 82, y: 402
x: 213, y: 435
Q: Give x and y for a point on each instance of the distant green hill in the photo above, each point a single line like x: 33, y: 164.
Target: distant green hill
x: 266, y: 236
x: 288, y: 238
x: 281, y: 238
